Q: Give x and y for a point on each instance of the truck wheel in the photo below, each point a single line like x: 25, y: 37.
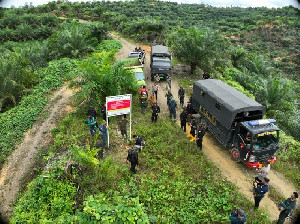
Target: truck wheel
x: 235, y: 154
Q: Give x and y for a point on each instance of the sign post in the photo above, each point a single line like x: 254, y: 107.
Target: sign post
x: 118, y: 105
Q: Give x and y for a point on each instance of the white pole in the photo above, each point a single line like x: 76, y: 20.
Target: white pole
x: 130, y: 116
x: 107, y: 125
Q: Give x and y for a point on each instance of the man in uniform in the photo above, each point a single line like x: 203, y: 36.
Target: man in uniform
x: 200, y: 133
x: 286, y: 207
x: 169, y: 96
x: 133, y: 158
x: 238, y: 217
x: 172, y: 108
x: 183, y: 119
x: 155, y: 112
x: 189, y: 110
x: 260, y: 189
x: 122, y: 126
x: 181, y: 93
x: 168, y: 80
x: 144, y: 102
x: 193, y: 129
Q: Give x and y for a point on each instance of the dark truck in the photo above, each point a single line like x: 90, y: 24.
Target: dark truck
x: 160, y: 61
x: 236, y: 121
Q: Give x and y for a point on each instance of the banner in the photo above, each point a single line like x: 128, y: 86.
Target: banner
x: 118, y: 105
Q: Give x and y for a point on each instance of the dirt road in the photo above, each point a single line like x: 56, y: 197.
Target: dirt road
x: 20, y: 163
x: 236, y: 173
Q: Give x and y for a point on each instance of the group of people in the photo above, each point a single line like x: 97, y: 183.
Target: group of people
x: 93, y: 125
x: 260, y: 188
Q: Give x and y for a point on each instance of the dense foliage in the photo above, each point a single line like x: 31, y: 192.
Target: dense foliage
x: 175, y: 183
x: 19, y: 119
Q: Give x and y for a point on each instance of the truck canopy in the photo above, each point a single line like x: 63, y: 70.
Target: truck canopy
x: 225, y: 103
x: 160, y: 51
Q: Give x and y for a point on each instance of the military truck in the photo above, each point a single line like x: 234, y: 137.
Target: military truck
x: 237, y: 122
x: 160, y: 61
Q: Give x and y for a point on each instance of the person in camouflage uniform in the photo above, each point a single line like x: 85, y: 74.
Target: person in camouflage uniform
x: 181, y: 93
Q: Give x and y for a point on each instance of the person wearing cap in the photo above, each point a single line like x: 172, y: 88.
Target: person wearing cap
x: 172, y: 108
x: 200, y: 134
x: 92, y: 112
x: 286, y: 207
x: 183, y: 119
x: 181, y: 93
x: 155, y: 112
x: 144, y: 103
x: 169, y: 96
x: 260, y: 189
x: 238, y: 217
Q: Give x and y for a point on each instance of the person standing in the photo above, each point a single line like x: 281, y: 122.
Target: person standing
x: 286, y: 207
x: 155, y: 112
x: 200, y: 134
x: 152, y: 99
x: 181, y: 93
x: 263, y: 171
x: 193, y: 129
x: 92, y: 112
x: 169, y: 96
x: 143, y: 90
x: 260, y: 189
x: 133, y: 158
x: 238, y: 217
x: 183, y: 119
x: 155, y: 89
x: 103, y: 111
x: 172, y: 108
x: 156, y: 78
x: 189, y: 109
x: 169, y: 82
x: 122, y: 126
x: 103, y: 133
x: 91, y: 122
x: 144, y: 103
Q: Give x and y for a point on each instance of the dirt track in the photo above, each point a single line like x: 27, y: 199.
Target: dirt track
x: 236, y: 173
x: 20, y: 163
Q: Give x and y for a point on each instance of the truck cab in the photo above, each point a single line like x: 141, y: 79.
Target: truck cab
x: 160, y: 61
x: 236, y: 121
x: 255, y: 142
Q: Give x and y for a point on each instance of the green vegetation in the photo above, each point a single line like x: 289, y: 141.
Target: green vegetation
x: 199, y: 48
x: 14, y: 122
x: 175, y: 183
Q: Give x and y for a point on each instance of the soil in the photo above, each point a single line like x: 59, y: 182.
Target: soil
x: 21, y: 163
x: 237, y: 173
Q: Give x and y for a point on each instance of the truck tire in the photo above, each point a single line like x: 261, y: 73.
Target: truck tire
x: 235, y: 154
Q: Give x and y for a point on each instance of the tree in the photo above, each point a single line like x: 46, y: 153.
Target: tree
x: 199, y: 47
